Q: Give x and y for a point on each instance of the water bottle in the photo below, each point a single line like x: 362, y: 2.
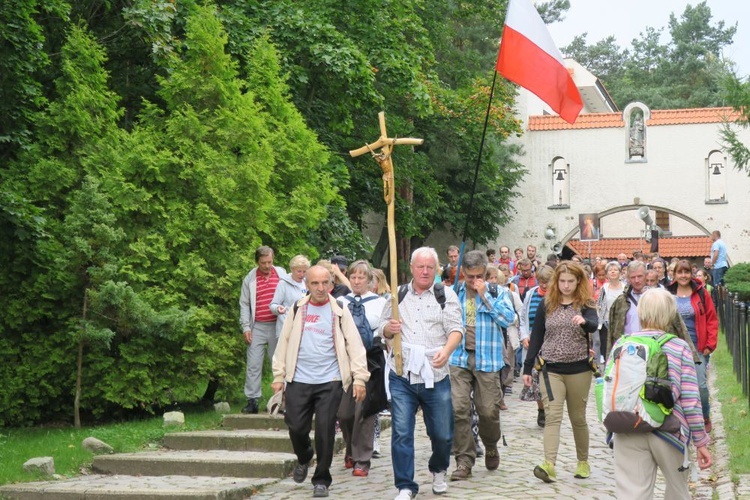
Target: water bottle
x: 599, y: 393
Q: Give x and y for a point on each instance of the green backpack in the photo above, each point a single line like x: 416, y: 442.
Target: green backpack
x: 637, y: 389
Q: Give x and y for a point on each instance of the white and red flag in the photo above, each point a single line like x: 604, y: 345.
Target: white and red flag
x: 528, y: 56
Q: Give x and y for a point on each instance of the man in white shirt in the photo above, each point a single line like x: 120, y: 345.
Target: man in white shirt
x: 431, y: 327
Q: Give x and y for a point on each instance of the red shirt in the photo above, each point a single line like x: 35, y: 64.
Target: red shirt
x: 265, y: 287
x: 510, y: 263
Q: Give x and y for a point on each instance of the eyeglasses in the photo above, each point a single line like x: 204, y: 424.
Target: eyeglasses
x: 473, y: 276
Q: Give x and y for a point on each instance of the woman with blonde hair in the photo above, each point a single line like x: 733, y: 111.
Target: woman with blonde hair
x: 379, y: 284
x: 638, y: 455
x: 290, y: 289
x: 560, y: 346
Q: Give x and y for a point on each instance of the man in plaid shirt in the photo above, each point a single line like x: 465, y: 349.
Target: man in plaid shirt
x: 476, y: 363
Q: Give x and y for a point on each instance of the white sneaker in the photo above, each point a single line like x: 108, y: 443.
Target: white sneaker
x: 405, y: 495
x: 439, y: 486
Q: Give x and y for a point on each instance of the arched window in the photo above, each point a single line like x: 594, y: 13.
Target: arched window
x: 716, y: 177
x: 560, y: 172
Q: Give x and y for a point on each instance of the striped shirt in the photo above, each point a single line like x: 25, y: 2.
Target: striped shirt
x: 425, y: 323
x: 265, y: 287
x: 530, y: 306
x: 488, y: 344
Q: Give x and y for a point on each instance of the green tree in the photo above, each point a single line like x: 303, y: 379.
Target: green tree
x: 22, y: 59
x: 737, y: 94
x: 685, y: 72
x: 75, y: 234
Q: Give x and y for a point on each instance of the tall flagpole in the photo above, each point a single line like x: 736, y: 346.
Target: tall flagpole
x: 470, y: 208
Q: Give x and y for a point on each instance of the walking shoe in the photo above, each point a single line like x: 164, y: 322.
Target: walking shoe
x: 545, y: 472
x: 405, y: 495
x: 361, y: 471
x: 251, y: 407
x: 376, y: 447
x: 348, y: 462
x: 583, y: 470
x: 540, y: 418
x: 300, y: 472
x: 492, y: 459
x: 439, y: 486
x: 479, y: 451
x: 462, y: 472
x: 707, y: 424
x: 503, y: 406
x: 320, y: 490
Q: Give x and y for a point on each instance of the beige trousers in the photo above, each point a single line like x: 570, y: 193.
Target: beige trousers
x: 636, y: 458
x: 573, y: 389
x: 487, y: 397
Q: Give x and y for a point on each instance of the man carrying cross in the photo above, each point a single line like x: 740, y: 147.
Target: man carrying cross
x: 432, y: 327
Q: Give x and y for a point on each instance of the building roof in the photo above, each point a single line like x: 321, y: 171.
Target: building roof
x: 614, y: 120
x: 608, y: 248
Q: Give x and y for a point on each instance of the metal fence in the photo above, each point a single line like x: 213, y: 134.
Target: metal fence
x: 733, y: 316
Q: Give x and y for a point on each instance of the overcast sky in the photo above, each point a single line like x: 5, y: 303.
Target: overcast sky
x: 625, y: 19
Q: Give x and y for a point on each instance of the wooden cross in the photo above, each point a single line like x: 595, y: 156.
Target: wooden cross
x: 385, y: 145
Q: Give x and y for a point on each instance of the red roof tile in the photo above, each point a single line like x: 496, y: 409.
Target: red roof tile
x: 614, y: 120
x: 680, y: 246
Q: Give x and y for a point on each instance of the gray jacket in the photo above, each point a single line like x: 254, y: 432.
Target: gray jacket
x: 287, y: 293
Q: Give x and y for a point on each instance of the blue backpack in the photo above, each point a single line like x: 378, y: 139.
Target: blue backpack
x: 357, y: 308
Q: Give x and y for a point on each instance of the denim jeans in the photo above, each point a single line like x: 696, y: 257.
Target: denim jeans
x: 700, y: 371
x: 437, y: 409
x: 717, y: 274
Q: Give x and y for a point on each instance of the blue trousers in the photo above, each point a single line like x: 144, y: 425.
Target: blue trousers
x: 437, y: 408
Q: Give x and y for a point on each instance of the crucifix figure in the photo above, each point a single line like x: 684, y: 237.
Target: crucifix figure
x: 385, y: 145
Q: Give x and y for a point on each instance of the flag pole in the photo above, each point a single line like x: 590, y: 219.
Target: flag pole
x: 470, y: 208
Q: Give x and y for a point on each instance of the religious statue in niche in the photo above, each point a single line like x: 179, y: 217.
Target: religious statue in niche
x: 637, y: 142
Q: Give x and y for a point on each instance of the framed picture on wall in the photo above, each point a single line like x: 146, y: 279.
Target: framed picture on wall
x: 588, y: 225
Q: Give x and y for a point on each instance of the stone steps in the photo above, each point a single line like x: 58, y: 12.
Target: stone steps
x: 250, y: 452
x: 236, y: 440
x: 106, y: 487
x: 214, y: 463
x: 240, y: 421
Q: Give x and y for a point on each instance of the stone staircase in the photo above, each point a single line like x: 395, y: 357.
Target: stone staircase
x: 251, y: 451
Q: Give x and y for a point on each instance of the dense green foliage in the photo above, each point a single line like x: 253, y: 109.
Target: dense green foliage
x: 149, y: 146
x: 737, y: 280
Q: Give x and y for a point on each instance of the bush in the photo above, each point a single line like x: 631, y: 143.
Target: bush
x: 737, y: 280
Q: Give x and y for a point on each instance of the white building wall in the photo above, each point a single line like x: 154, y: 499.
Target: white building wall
x: 675, y: 178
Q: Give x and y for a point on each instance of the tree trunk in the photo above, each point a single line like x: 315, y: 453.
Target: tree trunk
x: 404, y: 244
x: 381, y: 249
x: 79, y: 369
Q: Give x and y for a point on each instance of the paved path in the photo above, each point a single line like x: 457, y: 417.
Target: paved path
x: 514, y: 479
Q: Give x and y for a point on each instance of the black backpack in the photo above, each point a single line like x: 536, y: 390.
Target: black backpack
x: 357, y: 308
x: 439, y: 290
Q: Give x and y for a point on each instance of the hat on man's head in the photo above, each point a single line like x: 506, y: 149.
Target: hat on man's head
x: 340, y: 261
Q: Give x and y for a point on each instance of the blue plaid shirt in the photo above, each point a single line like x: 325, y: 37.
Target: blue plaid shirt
x: 489, y: 336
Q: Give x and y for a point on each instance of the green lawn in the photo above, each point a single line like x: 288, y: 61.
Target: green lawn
x: 734, y: 409
x: 64, y: 444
